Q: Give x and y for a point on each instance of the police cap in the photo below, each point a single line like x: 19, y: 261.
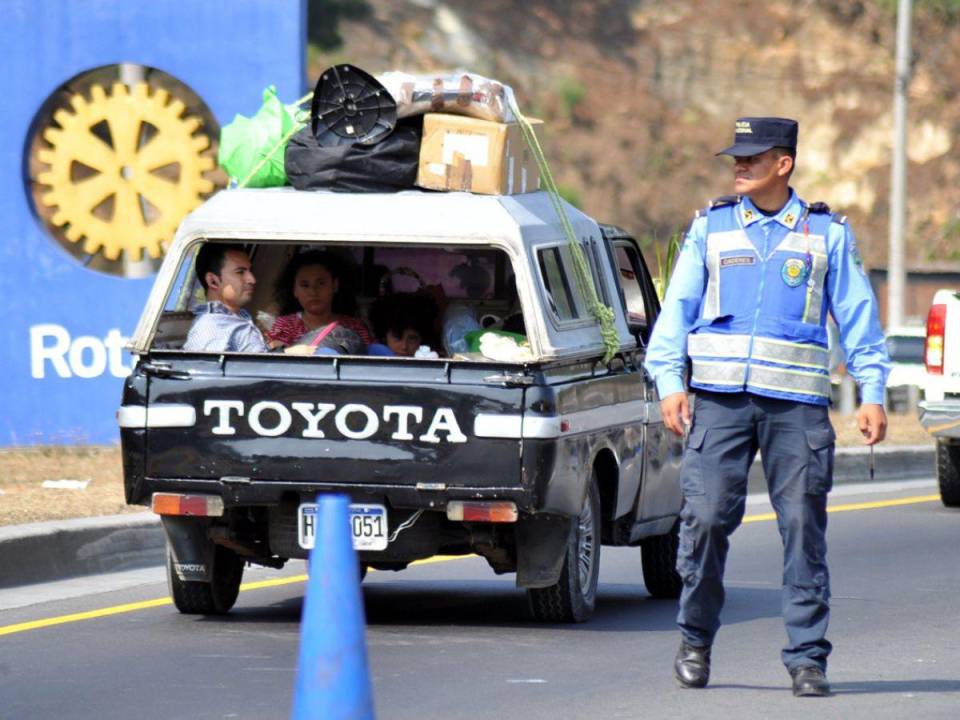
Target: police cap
x: 755, y: 135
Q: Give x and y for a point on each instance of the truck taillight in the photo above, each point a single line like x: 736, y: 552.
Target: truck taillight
x: 933, y: 347
x: 194, y: 505
x: 476, y: 511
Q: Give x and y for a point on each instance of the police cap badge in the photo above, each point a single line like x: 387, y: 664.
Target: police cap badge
x: 755, y: 135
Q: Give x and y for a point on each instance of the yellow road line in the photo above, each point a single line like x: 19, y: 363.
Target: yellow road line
x: 275, y: 582
x: 89, y: 615
x: 160, y: 602
x: 293, y: 579
x: 760, y: 517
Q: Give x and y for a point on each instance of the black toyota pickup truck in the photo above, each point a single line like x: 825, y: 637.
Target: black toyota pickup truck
x: 528, y: 450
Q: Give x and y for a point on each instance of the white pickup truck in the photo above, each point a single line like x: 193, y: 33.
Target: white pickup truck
x: 940, y: 411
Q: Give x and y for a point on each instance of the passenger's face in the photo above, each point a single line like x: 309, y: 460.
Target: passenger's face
x: 314, y: 288
x: 235, y: 284
x: 405, y: 345
x: 759, y: 173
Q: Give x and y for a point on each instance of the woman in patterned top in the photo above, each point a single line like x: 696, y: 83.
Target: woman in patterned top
x: 308, y: 299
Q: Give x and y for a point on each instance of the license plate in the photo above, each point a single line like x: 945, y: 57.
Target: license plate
x: 368, y: 526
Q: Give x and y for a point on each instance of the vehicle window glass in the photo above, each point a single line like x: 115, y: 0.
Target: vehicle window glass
x: 476, y: 278
x: 557, y: 284
x: 186, y: 291
x: 905, y: 348
x: 461, y: 273
x: 628, y: 267
x: 599, y: 282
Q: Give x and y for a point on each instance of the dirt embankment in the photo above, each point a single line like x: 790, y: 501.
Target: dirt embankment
x: 640, y: 94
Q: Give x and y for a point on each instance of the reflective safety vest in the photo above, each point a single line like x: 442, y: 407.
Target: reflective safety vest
x: 762, y: 320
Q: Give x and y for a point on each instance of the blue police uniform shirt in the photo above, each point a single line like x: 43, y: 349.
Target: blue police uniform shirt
x: 850, y: 300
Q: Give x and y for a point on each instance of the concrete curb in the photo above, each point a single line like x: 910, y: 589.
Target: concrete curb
x: 47, y: 551
x: 852, y: 465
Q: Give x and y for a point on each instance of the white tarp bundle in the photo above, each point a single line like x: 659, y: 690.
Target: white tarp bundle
x: 459, y: 93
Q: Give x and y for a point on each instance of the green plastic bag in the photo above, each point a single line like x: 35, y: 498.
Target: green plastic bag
x: 245, y: 142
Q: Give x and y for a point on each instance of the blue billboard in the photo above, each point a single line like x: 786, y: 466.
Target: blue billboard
x: 110, y: 125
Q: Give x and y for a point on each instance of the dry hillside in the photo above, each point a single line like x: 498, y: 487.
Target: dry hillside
x: 639, y: 95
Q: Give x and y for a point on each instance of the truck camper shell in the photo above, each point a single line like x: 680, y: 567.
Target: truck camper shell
x: 522, y: 226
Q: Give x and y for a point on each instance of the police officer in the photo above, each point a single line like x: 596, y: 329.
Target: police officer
x: 747, y: 305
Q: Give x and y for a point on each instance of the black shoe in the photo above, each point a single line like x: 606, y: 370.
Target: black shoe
x: 809, y: 681
x: 692, y: 665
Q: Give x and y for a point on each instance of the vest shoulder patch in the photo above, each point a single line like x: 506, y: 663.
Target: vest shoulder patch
x: 821, y: 208
x: 838, y: 218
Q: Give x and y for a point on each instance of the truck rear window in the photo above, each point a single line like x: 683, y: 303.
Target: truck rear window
x: 372, y: 282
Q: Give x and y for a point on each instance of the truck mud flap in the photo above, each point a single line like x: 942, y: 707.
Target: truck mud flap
x: 541, y: 546
x: 187, y: 539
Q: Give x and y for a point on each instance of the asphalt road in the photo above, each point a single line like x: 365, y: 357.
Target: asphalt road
x: 451, y: 640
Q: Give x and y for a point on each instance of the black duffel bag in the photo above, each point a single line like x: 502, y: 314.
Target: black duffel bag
x: 386, y: 166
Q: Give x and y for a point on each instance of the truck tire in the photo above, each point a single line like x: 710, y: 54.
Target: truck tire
x: 948, y: 472
x: 212, y: 598
x: 573, y: 598
x: 659, y: 555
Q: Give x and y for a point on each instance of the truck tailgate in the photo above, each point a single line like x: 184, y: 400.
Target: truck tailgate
x: 321, y: 421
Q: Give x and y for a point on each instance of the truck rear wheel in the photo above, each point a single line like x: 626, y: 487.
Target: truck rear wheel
x: 573, y: 598
x: 208, y: 598
x: 948, y: 472
x: 659, y: 555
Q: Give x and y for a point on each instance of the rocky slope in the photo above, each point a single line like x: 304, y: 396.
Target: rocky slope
x: 639, y: 95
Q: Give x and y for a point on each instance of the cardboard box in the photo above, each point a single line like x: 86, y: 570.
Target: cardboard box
x: 479, y: 156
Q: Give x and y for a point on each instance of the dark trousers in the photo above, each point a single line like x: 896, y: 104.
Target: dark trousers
x: 796, y: 445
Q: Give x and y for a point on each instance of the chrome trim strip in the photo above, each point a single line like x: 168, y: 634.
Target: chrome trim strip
x: 498, y: 426
x: 156, y: 416
x: 537, y: 426
x: 632, y: 411
x: 132, y: 416
x: 547, y: 427
x: 941, y: 418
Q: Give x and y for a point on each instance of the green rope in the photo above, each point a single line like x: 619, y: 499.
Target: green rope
x: 603, y: 313
x: 298, y: 125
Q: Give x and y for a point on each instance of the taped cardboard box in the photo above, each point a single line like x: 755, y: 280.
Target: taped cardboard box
x: 478, y: 156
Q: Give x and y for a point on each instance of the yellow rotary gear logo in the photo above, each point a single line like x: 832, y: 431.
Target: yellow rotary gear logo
x: 125, y: 167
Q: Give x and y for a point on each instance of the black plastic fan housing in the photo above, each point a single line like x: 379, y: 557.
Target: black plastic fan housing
x: 350, y: 106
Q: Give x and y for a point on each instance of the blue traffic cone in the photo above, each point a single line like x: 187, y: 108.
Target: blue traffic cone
x: 333, y: 681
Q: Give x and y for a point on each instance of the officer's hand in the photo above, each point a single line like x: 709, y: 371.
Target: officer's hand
x: 676, y: 412
x: 872, y: 421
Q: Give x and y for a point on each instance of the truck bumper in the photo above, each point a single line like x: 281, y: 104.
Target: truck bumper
x: 941, y: 419
x: 237, y: 494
